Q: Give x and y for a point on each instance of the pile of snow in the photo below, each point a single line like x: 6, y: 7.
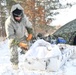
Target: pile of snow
x: 5, y: 66
x: 44, y: 56
x: 41, y: 54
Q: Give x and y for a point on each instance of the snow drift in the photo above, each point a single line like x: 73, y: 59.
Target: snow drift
x: 45, y: 56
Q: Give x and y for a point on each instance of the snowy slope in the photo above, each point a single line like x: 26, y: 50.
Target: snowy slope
x: 5, y: 65
x: 65, y: 15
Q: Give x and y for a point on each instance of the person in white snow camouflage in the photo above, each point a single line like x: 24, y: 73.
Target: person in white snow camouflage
x: 18, y: 30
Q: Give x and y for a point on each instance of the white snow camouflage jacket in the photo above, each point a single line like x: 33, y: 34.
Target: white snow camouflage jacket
x: 15, y: 30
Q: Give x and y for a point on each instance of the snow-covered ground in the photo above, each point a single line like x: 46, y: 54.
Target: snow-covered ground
x: 69, y: 68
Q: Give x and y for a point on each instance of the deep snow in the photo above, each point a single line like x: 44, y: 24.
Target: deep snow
x: 69, y: 68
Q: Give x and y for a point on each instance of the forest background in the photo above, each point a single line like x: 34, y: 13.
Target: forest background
x: 38, y: 12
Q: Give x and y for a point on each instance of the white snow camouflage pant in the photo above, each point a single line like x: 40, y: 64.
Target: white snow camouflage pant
x: 14, y: 54
x: 14, y: 51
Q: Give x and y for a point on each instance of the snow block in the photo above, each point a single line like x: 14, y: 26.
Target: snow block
x: 43, y: 56
x: 47, y: 57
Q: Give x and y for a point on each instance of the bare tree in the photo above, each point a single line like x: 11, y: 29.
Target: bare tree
x: 2, y: 19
